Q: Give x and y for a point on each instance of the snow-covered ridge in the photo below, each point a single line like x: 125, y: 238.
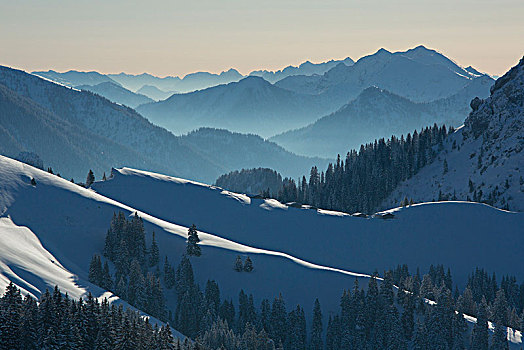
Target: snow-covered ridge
x: 66, y: 225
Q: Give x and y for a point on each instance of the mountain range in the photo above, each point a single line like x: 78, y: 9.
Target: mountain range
x: 74, y: 131
x: 378, y: 113
x: 117, y: 93
x: 251, y: 105
x: 419, y: 75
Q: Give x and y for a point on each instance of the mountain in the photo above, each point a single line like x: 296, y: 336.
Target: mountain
x: 190, y: 82
x: 116, y: 93
x: 307, y: 68
x: 75, y: 78
x: 251, y: 105
x: 419, y: 74
x: 377, y: 113
x: 236, y: 151
x: 154, y: 93
x: 484, y: 159
x: 74, y: 131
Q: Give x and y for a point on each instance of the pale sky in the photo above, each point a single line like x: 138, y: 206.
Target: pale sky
x: 171, y: 37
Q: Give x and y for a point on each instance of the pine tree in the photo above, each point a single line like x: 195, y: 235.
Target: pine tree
x: 500, y: 309
x: 239, y: 266
x: 104, y: 177
x: 192, y: 242
x: 33, y: 181
x: 10, y: 312
x: 408, y: 317
x: 154, y: 252
x: 480, y: 335
x: 248, y: 265
x: 316, y: 342
x: 107, y: 281
x: 445, y: 171
x: 90, y: 178
x: 95, y: 270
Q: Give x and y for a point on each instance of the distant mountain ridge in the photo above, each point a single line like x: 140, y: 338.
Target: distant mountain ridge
x: 116, y: 93
x: 420, y: 74
x: 378, y: 113
x: 251, y: 105
x: 307, y: 68
x: 237, y: 151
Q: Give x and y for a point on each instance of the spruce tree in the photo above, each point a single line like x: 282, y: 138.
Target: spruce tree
x: 239, y: 266
x: 192, y: 242
x: 248, y: 265
x: 153, y: 252
x: 90, y: 178
x: 95, y: 270
x: 480, y: 334
x: 500, y: 308
x: 316, y: 342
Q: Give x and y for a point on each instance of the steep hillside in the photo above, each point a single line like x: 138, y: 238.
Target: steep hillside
x: 307, y: 68
x: 236, y: 151
x: 419, y: 74
x: 80, y: 123
x: 483, y: 160
x: 375, y: 114
x: 117, y: 93
x: 250, y: 106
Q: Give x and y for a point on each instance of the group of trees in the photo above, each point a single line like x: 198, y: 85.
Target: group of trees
x: 252, y: 181
x: 240, y: 266
x: 367, y: 177
x: 59, y: 322
x: 125, y: 247
x: 379, y: 318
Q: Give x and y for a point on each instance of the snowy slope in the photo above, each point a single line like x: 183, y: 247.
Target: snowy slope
x: 419, y: 236
x: 70, y: 224
x: 50, y: 231
x: 488, y: 150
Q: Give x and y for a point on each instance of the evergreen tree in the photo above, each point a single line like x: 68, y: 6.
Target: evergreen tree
x: 90, y: 178
x: 248, y: 265
x: 316, y: 342
x: 153, y: 252
x: 192, y: 242
x: 10, y: 312
x: 480, y: 335
x: 500, y: 341
x: 95, y: 270
x: 239, y: 266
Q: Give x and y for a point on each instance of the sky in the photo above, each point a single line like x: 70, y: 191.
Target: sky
x: 171, y: 37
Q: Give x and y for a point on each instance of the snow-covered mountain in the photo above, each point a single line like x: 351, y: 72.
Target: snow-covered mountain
x: 237, y: 151
x: 75, y: 78
x: 116, y: 93
x: 307, y: 68
x: 154, y: 93
x: 251, y: 105
x: 483, y: 160
x: 419, y: 74
x: 377, y: 113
